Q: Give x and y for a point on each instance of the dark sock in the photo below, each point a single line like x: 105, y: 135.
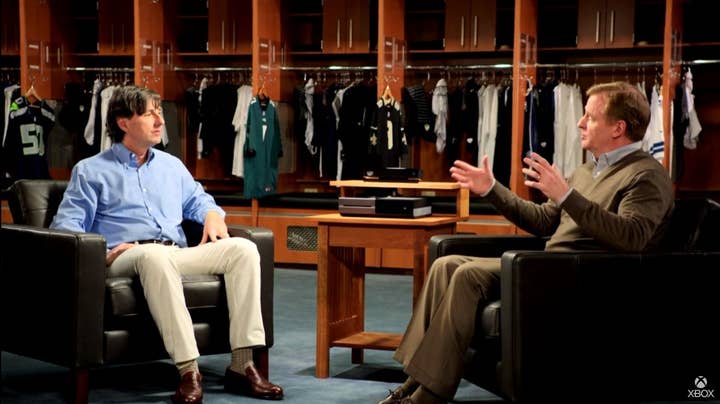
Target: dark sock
x: 425, y: 396
x: 409, y: 386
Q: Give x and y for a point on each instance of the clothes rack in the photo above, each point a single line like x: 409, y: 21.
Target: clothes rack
x: 100, y: 69
x: 212, y: 69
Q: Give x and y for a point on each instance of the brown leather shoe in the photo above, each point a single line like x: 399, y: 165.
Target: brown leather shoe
x: 252, y: 384
x: 395, y: 397
x: 190, y: 389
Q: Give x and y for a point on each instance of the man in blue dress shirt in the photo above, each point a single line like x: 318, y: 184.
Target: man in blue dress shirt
x: 136, y: 197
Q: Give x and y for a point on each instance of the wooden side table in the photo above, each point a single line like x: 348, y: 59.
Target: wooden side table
x: 341, y: 276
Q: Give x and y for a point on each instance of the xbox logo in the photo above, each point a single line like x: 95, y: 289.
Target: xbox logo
x: 701, y: 382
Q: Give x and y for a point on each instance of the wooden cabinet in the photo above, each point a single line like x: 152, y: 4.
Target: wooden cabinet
x: 213, y: 27
x: 10, y: 41
x: 425, y: 25
x: 346, y: 26
x: 96, y: 27
x: 40, y: 49
x: 229, y: 27
x: 605, y: 24
x: 115, y: 27
x: 470, y: 25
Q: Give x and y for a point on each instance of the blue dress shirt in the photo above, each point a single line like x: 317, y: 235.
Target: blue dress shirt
x: 111, y: 195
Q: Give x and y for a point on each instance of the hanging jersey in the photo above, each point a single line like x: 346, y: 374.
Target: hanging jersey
x: 23, y: 150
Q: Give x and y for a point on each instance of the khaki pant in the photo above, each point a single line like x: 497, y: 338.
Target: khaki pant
x: 433, y: 348
x: 160, y: 268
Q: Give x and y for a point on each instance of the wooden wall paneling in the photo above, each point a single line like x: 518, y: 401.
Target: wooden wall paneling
x: 39, y: 49
x: 391, y: 26
x: 524, y: 60
x: 10, y: 28
x: 671, y: 67
x: 150, y: 52
x: 266, y: 47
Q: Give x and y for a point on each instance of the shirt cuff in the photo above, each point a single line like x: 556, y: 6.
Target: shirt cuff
x: 564, y: 197
x: 484, y: 194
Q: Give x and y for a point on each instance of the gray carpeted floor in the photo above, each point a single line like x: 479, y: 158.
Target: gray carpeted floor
x: 292, y: 358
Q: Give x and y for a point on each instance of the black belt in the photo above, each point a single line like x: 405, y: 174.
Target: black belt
x: 163, y: 242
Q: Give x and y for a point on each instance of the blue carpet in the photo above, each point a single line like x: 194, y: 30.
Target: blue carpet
x: 292, y: 358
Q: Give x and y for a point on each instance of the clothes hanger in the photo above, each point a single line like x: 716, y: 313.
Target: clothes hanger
x: 387, y: 94
x: 32, y: 95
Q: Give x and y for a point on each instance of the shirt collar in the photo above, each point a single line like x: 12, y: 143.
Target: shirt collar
x: 127, y: 157
x: 612, y: 157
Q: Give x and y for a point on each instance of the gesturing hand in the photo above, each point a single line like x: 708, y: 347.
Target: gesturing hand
x: 476, y: 179
x: 546, y: 178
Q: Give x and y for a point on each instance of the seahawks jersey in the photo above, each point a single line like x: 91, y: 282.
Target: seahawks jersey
x: 23, y: 148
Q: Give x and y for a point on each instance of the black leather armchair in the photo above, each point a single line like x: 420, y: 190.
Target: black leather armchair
x: 59, y: 306
x: 599, y: 326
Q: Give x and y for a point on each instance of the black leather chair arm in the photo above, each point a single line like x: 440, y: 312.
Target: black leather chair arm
x: 53, y: 287
x: 264, y: 240
x: 480, y: 246
x: 583, y: 318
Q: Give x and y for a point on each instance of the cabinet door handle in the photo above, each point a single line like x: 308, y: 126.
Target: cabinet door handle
x: 462, y: 31
x: 350, y: 32
x: 475, y: 31
x: 337, y: 33
x: 612, y: 26
x: 222, y: 35
x: 597, y: 27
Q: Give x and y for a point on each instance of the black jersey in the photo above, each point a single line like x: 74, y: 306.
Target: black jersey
x: 23, y: 151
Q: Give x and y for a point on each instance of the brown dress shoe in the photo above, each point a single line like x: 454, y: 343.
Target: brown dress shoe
x: 190, y: 389
x: 395, y: 396
x: 252, y: 384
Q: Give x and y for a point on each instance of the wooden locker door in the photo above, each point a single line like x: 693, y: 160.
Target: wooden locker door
x: 115, y: 27
x: 334, y: 27
x: 219, y: 27
x: 619, y: 24
x: 457, y: 25
x: 483, y: 17
x: 240, y: 27
x: 357, y: 29
x: 591, y: 24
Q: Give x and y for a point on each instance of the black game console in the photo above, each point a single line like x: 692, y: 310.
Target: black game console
x: 394, y: 174
x: 391, y: 206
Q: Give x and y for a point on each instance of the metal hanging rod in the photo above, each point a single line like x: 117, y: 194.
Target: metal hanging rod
x: 331, y: 67
x: 598, y: 64
x: 212, y: 69
x: 462, y: 67
x: 10, y: 69
x: 100, y: 69
x: 702, y: 62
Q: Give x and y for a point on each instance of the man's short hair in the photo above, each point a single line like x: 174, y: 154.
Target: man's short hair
x: 625, y: 103
x: 125, y: 102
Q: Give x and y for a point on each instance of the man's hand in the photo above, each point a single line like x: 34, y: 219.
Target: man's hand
x: 545, y: 177
x: 116, y: 251
x: 478, y: 180
x: 215, y: 227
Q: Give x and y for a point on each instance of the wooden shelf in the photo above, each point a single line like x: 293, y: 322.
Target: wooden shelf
x: 370, y: 340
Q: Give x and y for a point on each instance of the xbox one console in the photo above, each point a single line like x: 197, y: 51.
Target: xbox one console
x: 392, y: 206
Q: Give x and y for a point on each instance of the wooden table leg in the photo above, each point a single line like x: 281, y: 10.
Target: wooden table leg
x: 322, y: 348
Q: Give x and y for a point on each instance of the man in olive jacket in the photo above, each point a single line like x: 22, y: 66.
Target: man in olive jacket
x: 621, y: 200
